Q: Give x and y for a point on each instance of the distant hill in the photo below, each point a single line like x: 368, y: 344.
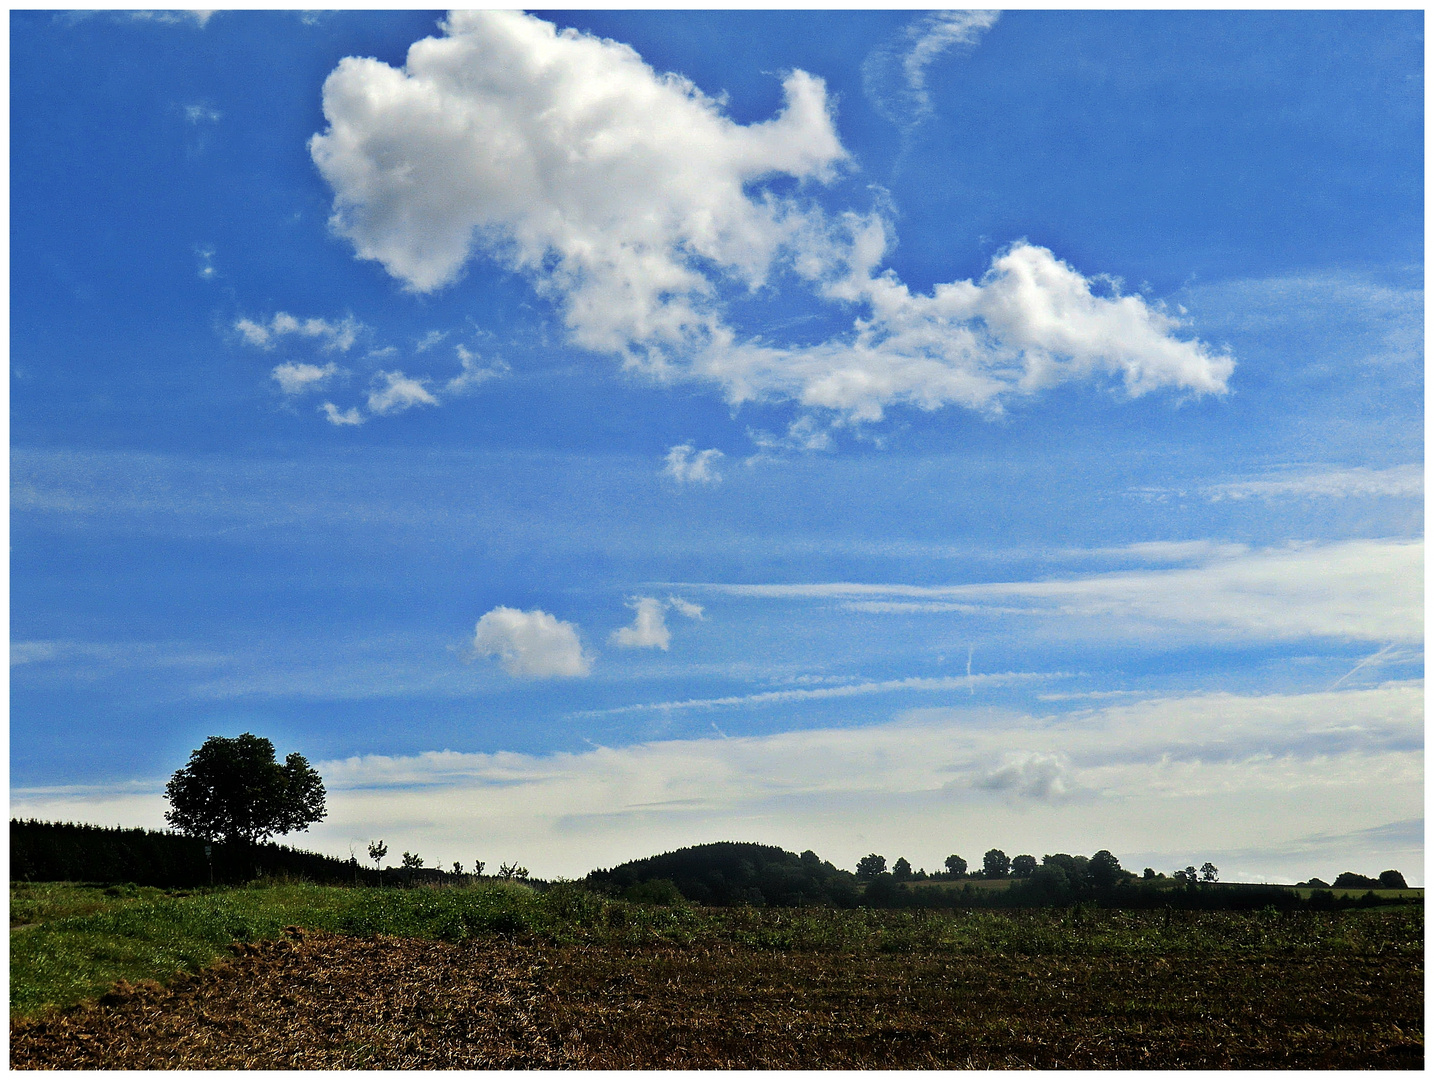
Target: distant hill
x: 733, y: 873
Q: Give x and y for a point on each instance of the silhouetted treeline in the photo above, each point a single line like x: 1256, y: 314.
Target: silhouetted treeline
x: 756, y: 874
x: 1129, y: 895
x: 730, y: 873
x: 62, y: 851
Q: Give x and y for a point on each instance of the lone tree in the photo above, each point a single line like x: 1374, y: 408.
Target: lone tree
x: 996, y: 864
x: 233, y: 790
x: 901, y: 869
x: 955, y: 865
x: 376, y: 851
x: 1023, y: 866
x: 1209, y: 872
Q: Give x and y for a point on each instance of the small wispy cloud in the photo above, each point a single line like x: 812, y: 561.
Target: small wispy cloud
x: 894, y: 75
x: 648, y: 629
x: 334, y: 336
x: 205, y: 255
x: 393, y: 391
x: 430, y: 339
x: 687, y: 465
x: 297, y: 378
x: 198, y: 19
x: 474, y: 372
x: 686, y: 607
x: 350, y: 417
x: 202, y: 114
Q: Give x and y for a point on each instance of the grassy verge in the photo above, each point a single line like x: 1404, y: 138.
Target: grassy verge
x: 76, y: 941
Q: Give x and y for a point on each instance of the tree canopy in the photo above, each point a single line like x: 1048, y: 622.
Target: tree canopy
x: 996, y: 864
x: 235, y: 790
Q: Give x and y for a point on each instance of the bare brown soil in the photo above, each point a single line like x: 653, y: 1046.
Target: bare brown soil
x: 320, y: 1001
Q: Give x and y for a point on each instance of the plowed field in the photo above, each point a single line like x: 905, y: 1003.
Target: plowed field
x: 319, y: 1000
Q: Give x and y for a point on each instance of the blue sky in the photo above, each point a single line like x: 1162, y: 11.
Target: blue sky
x: 582, y: 434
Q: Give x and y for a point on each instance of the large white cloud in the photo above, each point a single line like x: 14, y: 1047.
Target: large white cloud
x: 551, y: 146
x: 1273, y: 786
x: 631, y: 201
x: 531, y: 644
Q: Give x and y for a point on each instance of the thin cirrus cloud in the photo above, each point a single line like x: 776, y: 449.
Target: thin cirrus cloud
x: 634, y: 204
x: 531, y: 644
x: 1369, y: 590
x: 894, y: 75
x: 1401, y: 481
x: 856, y: 689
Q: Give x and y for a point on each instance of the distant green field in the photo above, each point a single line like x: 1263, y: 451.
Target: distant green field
x: 1383, y: 894
x: 996, y: 884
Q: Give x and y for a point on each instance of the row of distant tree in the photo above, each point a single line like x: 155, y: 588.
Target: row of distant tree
x: 1101, y: 870
x: 1389, y: 879
x: 756, y: 874
x: 378, y: 851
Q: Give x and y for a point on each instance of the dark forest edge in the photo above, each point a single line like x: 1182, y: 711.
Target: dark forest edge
x: 721, y: 874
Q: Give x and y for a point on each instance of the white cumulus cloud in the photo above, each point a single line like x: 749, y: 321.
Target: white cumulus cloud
x: 531, y: 644
x: 297, y: 378
x: 632, y: 202
x: 648, y: 629
x: 687, y: 465
x: 545, y: 147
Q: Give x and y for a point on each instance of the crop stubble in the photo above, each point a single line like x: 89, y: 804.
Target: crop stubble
x: 322, y: 1000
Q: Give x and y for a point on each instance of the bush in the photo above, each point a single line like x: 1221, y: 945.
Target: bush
x: 659, y: 891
